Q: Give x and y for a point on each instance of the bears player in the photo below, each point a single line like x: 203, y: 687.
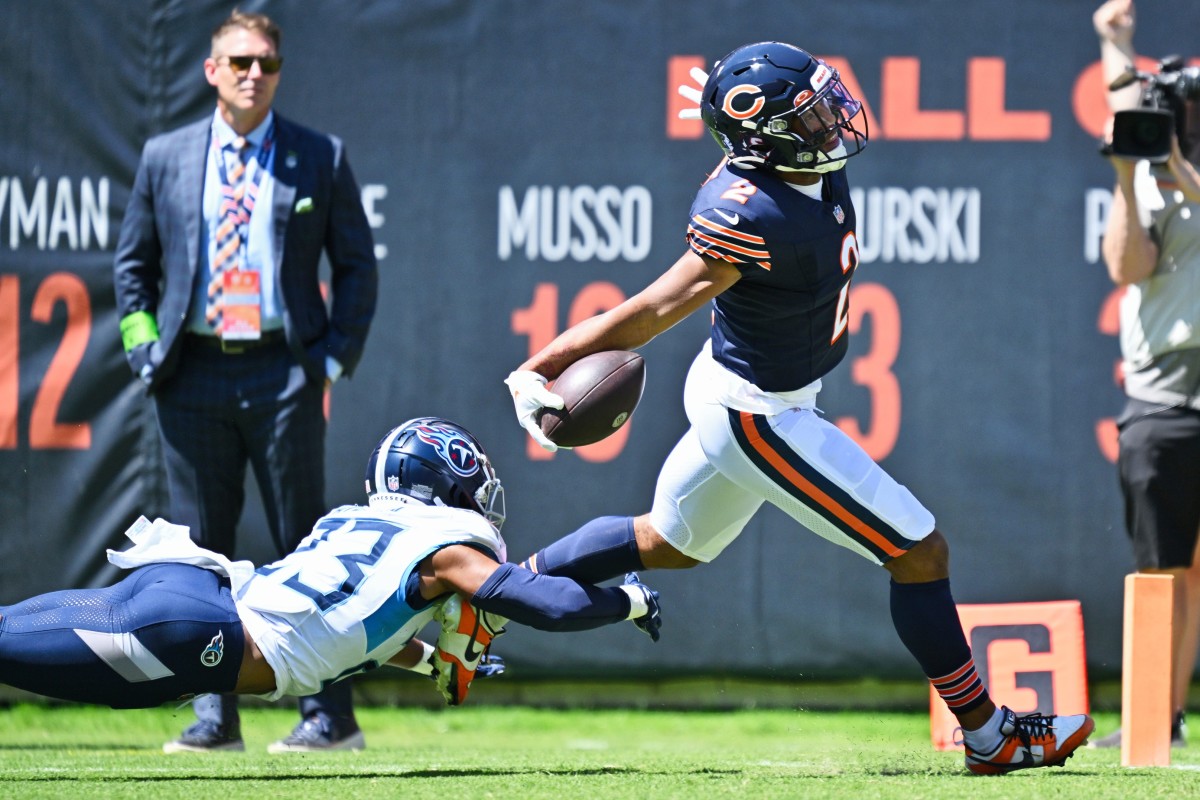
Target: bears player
x: 351, y: 597
x: 772, y: 251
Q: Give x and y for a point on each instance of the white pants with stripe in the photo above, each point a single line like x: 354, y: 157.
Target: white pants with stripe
x: 730, y: 461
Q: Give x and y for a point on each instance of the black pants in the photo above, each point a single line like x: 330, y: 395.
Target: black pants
x: 1159, y: 465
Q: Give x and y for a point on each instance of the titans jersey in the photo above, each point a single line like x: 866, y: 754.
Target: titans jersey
x: 337, y: 605
x: 783, y: 324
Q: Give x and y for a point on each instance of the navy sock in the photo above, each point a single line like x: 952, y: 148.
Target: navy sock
x: 927, y: 621
x: 603, y: 548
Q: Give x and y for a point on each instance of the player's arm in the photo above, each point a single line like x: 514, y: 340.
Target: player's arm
x: 689, y: 284
x: 540, y: 601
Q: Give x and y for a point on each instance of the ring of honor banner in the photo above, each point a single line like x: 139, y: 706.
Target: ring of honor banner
x: 523, y: 167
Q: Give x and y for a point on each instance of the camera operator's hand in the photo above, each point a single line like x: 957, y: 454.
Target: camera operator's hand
x: 1114, y: 21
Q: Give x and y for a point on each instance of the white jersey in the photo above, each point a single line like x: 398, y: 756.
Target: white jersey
x: 337, y: 605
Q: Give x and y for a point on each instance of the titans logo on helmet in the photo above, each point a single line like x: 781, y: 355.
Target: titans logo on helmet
x: 456, y: 451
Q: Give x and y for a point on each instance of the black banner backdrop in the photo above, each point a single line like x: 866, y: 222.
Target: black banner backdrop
x: 522, y: 167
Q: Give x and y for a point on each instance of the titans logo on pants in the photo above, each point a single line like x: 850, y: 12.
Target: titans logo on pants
x: 215, y: 651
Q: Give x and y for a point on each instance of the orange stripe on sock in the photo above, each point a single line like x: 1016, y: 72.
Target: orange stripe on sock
x: 958, y: 673
x: 957, y: 685
x: 964, y: 700
x: 806, y: 486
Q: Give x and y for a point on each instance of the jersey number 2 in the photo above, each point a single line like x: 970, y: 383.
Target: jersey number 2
x: 849, y: 260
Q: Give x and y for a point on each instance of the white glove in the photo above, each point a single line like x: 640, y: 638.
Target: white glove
x: 530, y: 395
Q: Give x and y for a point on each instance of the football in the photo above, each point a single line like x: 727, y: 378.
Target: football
x: 599, y: 395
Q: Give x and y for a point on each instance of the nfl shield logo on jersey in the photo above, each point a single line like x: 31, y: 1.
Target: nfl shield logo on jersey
x: 839, y: 215
x: 214, y: 652
x: 393, y: 483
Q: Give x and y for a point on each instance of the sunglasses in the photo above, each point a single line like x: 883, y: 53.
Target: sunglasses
x: 241, y: 64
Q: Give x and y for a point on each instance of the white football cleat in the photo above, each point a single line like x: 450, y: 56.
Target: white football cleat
x: 1033, y: 740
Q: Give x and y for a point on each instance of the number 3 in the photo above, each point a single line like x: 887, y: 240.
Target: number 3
x: 873, y: 370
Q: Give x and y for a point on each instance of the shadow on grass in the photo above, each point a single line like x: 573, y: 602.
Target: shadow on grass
x: 308, y: 775
x: 60, y: 747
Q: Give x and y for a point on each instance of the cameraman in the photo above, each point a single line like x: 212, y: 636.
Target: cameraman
x: 1152, y: 247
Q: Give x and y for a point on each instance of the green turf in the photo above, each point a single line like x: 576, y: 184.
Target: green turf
x: 506, y: 752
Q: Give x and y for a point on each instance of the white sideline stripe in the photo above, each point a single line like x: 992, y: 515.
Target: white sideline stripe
x: 128, y: 657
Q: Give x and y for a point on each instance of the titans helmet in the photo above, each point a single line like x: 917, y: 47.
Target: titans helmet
x: 439, y: 463
x: 771, y: 105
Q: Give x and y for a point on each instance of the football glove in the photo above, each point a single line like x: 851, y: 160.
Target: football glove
x: 530, y: 395
x: 651, y: 621
x: 466, y: 633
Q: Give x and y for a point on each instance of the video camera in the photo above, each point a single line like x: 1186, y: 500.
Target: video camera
x: 1145, y: 132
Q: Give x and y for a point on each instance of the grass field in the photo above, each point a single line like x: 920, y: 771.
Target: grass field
x: 506, y: 752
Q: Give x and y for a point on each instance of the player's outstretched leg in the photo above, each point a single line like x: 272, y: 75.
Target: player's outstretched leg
x: 599, y: 550
x: 1032, y: 740
x: 926, y: 618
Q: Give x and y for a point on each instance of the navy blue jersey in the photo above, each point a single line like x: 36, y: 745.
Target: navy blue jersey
x: 783, y: 324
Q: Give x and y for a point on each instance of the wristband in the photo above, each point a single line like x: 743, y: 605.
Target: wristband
x: 638, y: 607
x: 138, y: 328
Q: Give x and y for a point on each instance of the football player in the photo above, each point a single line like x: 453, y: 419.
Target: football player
x: 351, y: 597
x: 772, y: 250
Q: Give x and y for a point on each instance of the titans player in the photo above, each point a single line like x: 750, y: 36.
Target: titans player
x: 772, y: 251
x: 351, y: 597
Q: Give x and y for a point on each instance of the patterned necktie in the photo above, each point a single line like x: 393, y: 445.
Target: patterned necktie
x: 234, y: 213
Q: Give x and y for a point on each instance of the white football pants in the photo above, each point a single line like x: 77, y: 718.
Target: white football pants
x: 730, y: 461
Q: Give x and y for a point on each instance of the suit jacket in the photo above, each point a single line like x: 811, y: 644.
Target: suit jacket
x: 317, y: 207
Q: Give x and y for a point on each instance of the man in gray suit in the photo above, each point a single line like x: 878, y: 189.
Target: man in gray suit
x: 223, y: 320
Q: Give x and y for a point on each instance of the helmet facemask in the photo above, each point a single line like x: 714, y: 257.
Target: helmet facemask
x: 801, y: 136
x: 489, y: 497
